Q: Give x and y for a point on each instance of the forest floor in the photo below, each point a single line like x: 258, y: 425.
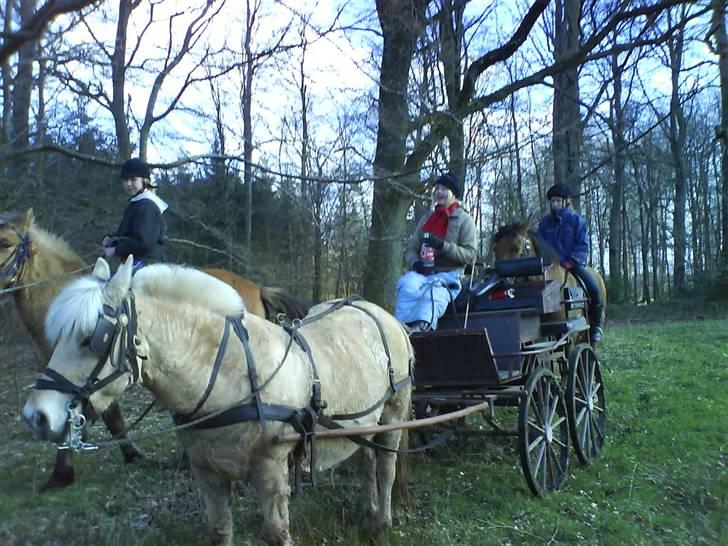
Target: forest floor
x: 661, y: 480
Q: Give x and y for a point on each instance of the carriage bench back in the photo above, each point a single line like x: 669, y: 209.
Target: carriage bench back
x: 454, y: 358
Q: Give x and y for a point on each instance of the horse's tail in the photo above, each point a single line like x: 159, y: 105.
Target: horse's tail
x: 277, y: 300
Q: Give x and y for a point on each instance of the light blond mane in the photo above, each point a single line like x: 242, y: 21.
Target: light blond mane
x: 74, y: 312
x: 54, y: 246
x: 183, y: 284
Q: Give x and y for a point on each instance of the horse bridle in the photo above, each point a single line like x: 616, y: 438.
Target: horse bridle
x: 113, y: 339
x: 15, y: 263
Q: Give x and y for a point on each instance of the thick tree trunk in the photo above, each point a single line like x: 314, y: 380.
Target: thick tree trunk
x: 22, y: 90
x: 401, y: 22
x: 567, y: 131
x: 118, y: 80
x: 616, y: 229
x: 451, y: 41
x: 721, y: 40
x: 677, y: 134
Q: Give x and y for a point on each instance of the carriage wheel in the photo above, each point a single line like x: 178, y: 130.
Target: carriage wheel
x: 543, y: 433
x: 585, y: 403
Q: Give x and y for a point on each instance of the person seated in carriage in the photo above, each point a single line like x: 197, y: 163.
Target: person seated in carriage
x: 142, y: 229
x: 566, y: 232
x: 443, y: 243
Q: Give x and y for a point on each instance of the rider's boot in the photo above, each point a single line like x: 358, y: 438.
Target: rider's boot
x: 596, y: 324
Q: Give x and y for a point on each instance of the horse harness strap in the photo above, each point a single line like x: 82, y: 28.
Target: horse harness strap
x: 15, y: 263
x: 303, y: 420
x: 113, y: 339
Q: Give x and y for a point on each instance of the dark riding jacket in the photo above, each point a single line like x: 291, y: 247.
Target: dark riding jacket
x: 565, y: 230
x: 142, y: 230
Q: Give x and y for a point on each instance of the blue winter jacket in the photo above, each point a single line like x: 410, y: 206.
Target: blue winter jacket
x: 565, y: 230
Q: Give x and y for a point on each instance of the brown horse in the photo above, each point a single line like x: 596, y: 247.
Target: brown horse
x: 35, y: 265
x: 518, y: 240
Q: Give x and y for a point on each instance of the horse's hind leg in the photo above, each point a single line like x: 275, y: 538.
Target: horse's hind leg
x: 62, y: 475
x: 370, y: 503
x: 269, y: 476
x: 216, y: 495
x: 114, y: 421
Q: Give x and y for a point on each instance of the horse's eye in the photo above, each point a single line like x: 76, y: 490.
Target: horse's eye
x: 86, y: 342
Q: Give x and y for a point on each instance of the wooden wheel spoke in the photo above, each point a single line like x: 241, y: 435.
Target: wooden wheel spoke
x: 539, y: 459
x: 558, y: 422
x: 580, y: 417
x: 595, y: 426
x: 537, y: 426
x: 558, y: 441
x: 556, y: 460
x: 544, y: 468
x: 535, y: 443
x: 584, y: 432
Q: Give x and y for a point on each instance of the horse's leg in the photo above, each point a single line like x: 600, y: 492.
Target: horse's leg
x: 216, y: 495
x: 386, y: 464
x: 114, y: 421
x: 369, y: 488
x: 62, y: 475
x: 396, y: 410
x: 269, y: 476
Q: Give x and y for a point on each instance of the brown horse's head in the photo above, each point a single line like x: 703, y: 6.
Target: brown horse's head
x: 14, y: 245
x: 519, y: 240
x: 512, y: 241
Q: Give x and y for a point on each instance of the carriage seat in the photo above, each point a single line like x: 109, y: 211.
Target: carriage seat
x: 558, y: 328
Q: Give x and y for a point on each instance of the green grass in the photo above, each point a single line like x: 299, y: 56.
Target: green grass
x: 661, y: 480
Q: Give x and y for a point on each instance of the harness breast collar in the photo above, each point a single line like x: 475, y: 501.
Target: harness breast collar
x: 15, y: 263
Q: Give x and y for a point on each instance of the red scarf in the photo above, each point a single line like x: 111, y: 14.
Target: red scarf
x: 438, y: 220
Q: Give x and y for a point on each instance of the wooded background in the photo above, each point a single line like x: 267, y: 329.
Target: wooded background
x: 296, y: 144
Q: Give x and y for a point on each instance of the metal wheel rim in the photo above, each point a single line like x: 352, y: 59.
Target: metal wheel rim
x: 586, y: 404
x: 543, y: 434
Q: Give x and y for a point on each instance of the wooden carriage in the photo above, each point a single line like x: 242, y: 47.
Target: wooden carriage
x: 518, y: 339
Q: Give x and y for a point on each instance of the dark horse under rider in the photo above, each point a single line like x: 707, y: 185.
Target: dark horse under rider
x: 566, y: 231
x: 142, y: 230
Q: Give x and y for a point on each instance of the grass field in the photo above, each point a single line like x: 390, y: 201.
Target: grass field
x: 662, y: 479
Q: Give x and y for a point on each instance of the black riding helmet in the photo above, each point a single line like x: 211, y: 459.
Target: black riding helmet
x: 558, y: 190
x: 135, y: 167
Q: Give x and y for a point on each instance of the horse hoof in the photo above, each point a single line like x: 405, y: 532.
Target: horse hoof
x: 131, y: 453
x: 58, y: 480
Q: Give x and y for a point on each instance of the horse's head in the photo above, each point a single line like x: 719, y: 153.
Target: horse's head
x: 91, y: 325
x: 14, y: 245
x: 513, y: 241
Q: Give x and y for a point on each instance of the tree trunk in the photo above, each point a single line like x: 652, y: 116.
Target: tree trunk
x: 721, y: 40
x: 401, y: 22
x: 567, y: 131
x: 22, y: 89
x: 616, y: 229
x: 451, y: 41
x: 677, y: 144
x: 118, y: 80
x: 247, y: 102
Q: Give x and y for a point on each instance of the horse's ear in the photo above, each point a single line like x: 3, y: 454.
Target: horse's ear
x: 121, y: 281
x: 101, y: 270
x: 29, y: 219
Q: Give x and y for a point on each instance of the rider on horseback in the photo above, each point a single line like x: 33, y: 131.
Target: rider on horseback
x: 142, y: 229
x: 565, y: 230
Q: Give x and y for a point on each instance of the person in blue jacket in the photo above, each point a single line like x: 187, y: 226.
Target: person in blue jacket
x: 142, y: 229
x: 566, y: 231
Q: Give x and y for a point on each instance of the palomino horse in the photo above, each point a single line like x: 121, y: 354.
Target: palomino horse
x: 517, y: 240
x: 108, y: 335
x: 36, y: 264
